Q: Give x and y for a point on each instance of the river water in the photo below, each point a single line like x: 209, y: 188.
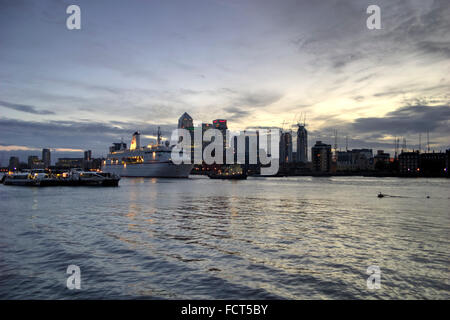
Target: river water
x: 262, y: 238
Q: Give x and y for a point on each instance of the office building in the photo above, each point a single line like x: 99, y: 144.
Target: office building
x: 66, y: 163
x: 302, y: 144
x: 35, y: 163
x: 221, y: 125
x: 381, y: 156
x: 185, y: 122
x: 14, y: 163
x: 432, y: 163
x: 409, y: 162
x: 356, y: 160
x: 46, y: 158
x: 88, y: 155
x: 286, y: 147
x: 321, y: 157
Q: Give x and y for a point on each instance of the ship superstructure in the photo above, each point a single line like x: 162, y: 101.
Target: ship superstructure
x: 148, y: 161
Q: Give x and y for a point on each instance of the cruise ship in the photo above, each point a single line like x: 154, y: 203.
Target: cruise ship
x: 148, y: 161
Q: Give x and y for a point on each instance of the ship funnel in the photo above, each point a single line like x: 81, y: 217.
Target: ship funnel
x: 136, y: 141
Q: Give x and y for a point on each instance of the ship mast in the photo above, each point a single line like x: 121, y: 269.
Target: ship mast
x: 158, y: 141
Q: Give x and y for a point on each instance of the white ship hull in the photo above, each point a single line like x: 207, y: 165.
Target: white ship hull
x: 155, y: 170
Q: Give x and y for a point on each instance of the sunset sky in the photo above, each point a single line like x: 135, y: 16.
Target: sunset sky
x: 138, y: 64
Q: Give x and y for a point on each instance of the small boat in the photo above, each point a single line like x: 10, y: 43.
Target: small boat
x: 380, y: 195
x: 88, y: 178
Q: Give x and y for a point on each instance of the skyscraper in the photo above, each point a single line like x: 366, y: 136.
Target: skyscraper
x: 87, y: 161
x: 46, y: 158
x: 88, y: 155
x: 221, y: 125
x: 205, y: 127
x: 285, y: 147
x: 302, y: 144
x: 185, y: 122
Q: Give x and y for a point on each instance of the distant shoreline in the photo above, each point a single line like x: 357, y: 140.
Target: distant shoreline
x: 346, y: 174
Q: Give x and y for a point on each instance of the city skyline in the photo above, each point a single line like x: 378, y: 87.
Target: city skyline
x: 256, y: 64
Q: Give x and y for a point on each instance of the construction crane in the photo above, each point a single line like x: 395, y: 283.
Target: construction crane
x: 420, y: 142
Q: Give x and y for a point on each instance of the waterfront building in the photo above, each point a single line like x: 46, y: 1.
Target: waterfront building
x: 35, y: 163
x: 381, y: 160
x: 88, y: 155
x: 409, y: 162
x: 205, y: 127
x: 222, y: 126
x: 46, y: 158
x: 321, y: 157
x: 31, y: 160
x: 68, y: 163
x: 447, y: 162
x: 14, y: 163
x: 432, y: 163
x: 286, y: 147
x: 250, y: 152
x: 87, y: 161
x: 381, y: 156
x: 354, y: 160
x: 302, y: 144
x: 362, y: 159
x: 185, y: 122
x: 344, y: 160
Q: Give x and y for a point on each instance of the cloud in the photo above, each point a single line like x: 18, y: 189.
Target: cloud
x: 236, y: 113
x: 147, y: 61
x: 16, y: 148
x: 380, y: 132
x: 75, y: 135
x: 410, y: 119
x: 258, y: 99
x: 24, y: 108
x: 435, y: 47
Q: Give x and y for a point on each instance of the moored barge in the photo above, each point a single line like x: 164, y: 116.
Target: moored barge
x: 72, y: 178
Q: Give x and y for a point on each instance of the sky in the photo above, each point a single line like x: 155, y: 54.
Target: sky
x: 135, y: 65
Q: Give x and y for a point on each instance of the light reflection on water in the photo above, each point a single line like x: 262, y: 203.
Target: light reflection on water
x: 284, y: 238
